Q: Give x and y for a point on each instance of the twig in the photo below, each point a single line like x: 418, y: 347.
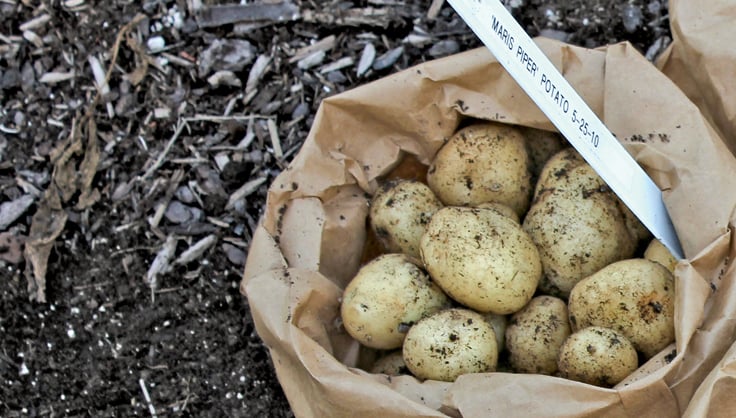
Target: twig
x: 160, y: 160
x: 213, y: 118
x: 147, y: 397
x: 275, y: 140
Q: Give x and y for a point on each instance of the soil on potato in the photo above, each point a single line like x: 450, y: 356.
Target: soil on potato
x: 141, y: 314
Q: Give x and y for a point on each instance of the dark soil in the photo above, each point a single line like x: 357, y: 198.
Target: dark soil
x: 122, y: 330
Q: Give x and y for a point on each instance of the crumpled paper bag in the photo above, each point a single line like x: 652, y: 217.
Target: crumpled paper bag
x: 311, y: 239
x: 702, y: 61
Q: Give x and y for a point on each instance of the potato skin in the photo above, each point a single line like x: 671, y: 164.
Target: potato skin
x: 635, y: 297
x: 656, y: 251
x: 484, y: 162
x: 541, y: 146
x: 576, y: 222
x: 399, y: 213
x: 481, y: 259
x: 385, y: 298
x: 598, y: 356
x: 450, y: 343
x: 536, y: 333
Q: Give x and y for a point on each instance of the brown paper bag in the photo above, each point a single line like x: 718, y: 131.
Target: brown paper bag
x: 701, y: 60
x: 311, y: 238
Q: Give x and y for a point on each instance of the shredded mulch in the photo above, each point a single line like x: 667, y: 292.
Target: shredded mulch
x: 137, y: 143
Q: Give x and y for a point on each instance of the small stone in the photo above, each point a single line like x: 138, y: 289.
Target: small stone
x: 226, y: 55
x: 336, y: 77
x: 444, y: 48
x: 179, y: 213
x: 302, y: 109
x: 156, y: 44
x: 234, y: 254
x: 184, y: 194
x: 11, y: 79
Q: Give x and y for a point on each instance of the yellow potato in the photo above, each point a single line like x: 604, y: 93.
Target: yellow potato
x: 635, y: 297
x: 598, y: 356
x: 541, y: 146
x: 536, y: 333
x: 484, y: 162
x: 399, y: 214
x: 481, y: 259
x: 502, y: 209
x: 576, y: 222
x: 656, y: 251
x: 385, y: 298
x: 450, y: 343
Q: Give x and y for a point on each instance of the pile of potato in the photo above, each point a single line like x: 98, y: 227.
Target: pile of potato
x: 514, y: 255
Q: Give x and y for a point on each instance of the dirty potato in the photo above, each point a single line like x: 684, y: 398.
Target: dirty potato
x: 536, y: 333
x: 598, y: 356
x: 576, y: 222
x: 541, y: 146
x: 656, y: 251
x: 385, y: 298
x: 481, y: 259
x: 399, y: 213
x: 450, y: 343
x: 635, y: 297
x: 484, y: 162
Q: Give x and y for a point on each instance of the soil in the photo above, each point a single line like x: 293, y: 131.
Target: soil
x: 126, y: 211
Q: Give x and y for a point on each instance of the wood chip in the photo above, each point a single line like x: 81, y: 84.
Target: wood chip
x: 311, y: 60
x: 195, y: 251
x: 214, y: 16
x: 256, y: 72
x: 366, y: 59
x: 12, y: 210
x: 35, y: 23
x: 273, y: 133
x: 33, y: 38
x: 162, y: 263
x: 434, y: 9
x: 337, y: 65
x: 54, y: 77
x: 244, y: 191
x: 100, y: 80
x: 324, y: 44
x: 368, y: 16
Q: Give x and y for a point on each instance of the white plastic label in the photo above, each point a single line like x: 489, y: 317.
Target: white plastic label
x: 539, y: 78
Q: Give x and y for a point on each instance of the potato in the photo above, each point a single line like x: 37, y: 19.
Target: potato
x: 536, y: 333
x: 399, y: 214
x: 450, y: 343
x: 385, y: 298
x: 598, y: 356
x: 484, y: 162
x: 576, y: 222
x: 541, y: 146
x: 656, y: 251
x: 635, y: 297
x: 502, y: 209
x: 391, y: 364
x: 481, y: 259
